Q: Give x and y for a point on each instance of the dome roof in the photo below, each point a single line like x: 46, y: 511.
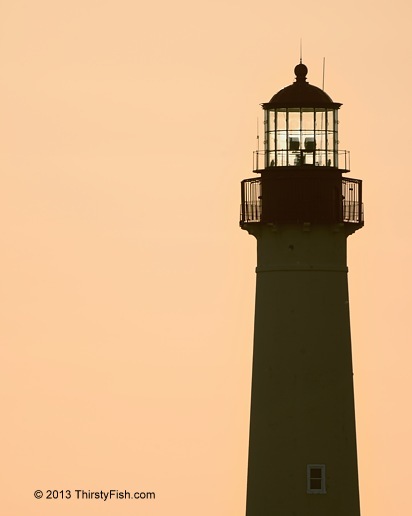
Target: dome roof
x: 301, y: 94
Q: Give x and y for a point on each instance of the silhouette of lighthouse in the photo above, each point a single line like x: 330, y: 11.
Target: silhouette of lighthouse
x: 301, y: 207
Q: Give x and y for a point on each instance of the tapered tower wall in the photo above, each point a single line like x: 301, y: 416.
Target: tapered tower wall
x: 302, y: 405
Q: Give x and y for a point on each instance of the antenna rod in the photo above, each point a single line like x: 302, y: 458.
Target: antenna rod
x: 323, y: 75
x: 257, y: 137
x: 300, y: 50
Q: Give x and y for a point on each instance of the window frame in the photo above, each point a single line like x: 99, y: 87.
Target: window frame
x: 309, y: 477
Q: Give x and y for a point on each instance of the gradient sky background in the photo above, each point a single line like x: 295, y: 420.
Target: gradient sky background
x: 127, y: 288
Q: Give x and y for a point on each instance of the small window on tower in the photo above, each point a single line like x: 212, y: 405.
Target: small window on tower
x: 316, y: 481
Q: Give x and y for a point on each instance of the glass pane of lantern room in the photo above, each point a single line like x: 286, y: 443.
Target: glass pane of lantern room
x: 330, y: 160
x: 308, y: 119
x: 294, y: 136
x: 270, y: 121
x: 269, y: 136
x: 331, y: 128
x: 308, y: 135
x: 280, y: 120
x: 336, y: 139
x: 281, y: 138
x: 321, y: 125
x: 281, y: 149
x: 320, y: 137
x: 294, y: 119
x: 270, y: 131
x: 331, y: 140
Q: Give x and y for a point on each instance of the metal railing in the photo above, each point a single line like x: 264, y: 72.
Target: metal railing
x: 352, y: 212
x: 264, y: 159
x: 251, y: 212
x: 349, y: 208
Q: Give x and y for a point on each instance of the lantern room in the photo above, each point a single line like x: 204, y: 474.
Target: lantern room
x: 301, y: 128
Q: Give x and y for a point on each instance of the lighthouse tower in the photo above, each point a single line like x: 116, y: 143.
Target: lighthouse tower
x: 301, y: 207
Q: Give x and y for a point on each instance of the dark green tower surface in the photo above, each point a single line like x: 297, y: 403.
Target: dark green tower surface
x: 301, y: 209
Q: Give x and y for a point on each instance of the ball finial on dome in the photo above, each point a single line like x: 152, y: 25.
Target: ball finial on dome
x: 301, y: 71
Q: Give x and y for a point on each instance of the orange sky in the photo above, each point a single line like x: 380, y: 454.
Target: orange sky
x: 127, y: 289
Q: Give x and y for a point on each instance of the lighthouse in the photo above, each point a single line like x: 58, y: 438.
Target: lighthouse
x: 301, y: 206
